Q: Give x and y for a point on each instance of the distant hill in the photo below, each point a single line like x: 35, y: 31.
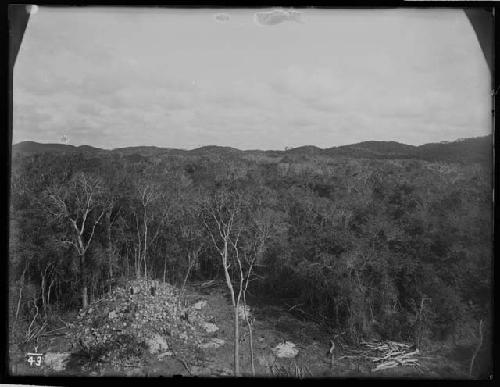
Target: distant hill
x: 477, y: 149
x: 31, y: 147
x: 470, y: 150
x: 215, y: 149
x: 88, y: 148
x: 35, y: 147
x: 381, y: 148
x: 147, y: 151
x: 305, y: 150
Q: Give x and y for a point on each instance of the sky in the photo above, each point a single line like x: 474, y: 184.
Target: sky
x: 250, y: 79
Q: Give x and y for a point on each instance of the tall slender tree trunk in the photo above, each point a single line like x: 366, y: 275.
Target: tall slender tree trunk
x: 145, y: 249
x: 480, y: 344
x: 164, y: 270
x: 21, y: 288
x: 127, y: 265
x: 110, y: 258
x: 83, y: 276
x: 44, y: 303
x: 85, y: 301
x: 235, y: 306
x: 48, y: 291
x: 236, y: 342
x: 249, y: 325
x: 137, y: 263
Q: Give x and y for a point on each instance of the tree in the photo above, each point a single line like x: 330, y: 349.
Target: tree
x: 222, y: 217
x: 151, y: 211
x: 261, y: 223
x: 191, y: 236
x: 80, y: 205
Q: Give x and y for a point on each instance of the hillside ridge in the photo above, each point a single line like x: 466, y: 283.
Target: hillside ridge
x: 474, y: 149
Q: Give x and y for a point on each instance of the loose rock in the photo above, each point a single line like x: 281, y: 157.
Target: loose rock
x: 199, y: 305
x: 213, y: 343
x: 285, y: 350
x: 244, y: 311
x: 56, y: 360
x: 210, y: 328
x: 156, y: 344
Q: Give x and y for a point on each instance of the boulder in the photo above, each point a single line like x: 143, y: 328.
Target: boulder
x: 200, y: 304
x: 266, y: 359
x: 165, y: 354
x: 213, y: 343
x: 242, y: 309
x: 156, y: 344
x: 56, y: 360
x: 285, y: 350
x: 209, y: 327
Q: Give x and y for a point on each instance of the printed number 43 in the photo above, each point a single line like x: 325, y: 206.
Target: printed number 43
x: 37, y: 362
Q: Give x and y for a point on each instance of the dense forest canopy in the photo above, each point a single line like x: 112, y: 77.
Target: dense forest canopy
x: 374, y: 239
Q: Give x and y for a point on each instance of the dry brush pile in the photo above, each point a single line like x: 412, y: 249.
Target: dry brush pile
x: 385, y: 355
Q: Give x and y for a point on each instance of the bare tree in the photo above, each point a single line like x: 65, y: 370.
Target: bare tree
x: 221, y: 216
x: 111, y: 216
x: 149, y: 219
x: 81, y: 205
x: 239, y: 228
x: 259, y: 228
x: 191, y: 237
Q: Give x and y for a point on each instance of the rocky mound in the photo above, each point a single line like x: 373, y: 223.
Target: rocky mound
x: 143, y: 318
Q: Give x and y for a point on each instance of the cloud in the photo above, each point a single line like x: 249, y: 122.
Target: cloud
x: 102, y: 80
x: 277, y: 16
x: 222, y: 17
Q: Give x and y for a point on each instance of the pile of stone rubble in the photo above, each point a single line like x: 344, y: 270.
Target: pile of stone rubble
x: 144, y: 317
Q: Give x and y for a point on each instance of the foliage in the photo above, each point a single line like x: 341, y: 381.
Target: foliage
x: 358, y: 243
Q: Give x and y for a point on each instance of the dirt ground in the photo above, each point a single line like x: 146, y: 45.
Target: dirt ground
x: 273, y: 325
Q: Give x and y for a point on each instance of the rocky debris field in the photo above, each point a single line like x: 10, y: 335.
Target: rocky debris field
x: 145, y: 318
x: 144, y: 329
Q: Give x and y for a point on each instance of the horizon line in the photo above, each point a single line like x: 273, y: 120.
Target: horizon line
x: 284, y: 149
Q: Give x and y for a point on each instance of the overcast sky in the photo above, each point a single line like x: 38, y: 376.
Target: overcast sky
x: 187, y: 78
